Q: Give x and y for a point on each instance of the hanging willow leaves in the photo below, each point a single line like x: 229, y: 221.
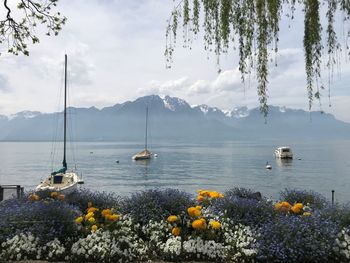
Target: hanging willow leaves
x: 254, y: 25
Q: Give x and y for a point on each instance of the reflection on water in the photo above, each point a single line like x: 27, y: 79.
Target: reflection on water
x: 284, y: 162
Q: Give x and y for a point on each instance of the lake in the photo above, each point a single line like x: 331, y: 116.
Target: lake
x: 318, y: 165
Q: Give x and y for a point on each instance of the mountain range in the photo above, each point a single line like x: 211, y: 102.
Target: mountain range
x: 171, y: 118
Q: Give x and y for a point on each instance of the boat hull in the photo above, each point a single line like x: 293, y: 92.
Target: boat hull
x: 68, y: 185
x: 143, y: 155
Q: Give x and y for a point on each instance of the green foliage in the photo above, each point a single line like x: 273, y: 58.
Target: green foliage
x: 17, y: 30
x: 253, y: 25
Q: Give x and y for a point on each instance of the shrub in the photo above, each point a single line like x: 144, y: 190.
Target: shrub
x: 297, y: 239
x: 103, y: 200
x: 315, y: 200
x: 120, y: 245
x: 156, y: 204
x: 244, y: 210
x: 342, y: 245
x: 45, y: 219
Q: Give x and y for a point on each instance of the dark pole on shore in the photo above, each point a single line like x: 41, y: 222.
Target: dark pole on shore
x: 64, y: 163
x: 333, y: 197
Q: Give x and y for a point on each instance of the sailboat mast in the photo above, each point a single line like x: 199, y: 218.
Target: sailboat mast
x: 146, y: 128
x: 65, y: 112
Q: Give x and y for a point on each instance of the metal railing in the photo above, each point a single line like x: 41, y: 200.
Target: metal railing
x: 14, y: 190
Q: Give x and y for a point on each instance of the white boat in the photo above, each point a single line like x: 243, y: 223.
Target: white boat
x: 284, y: 152
x: 61, y: 180
x: 144, y: 154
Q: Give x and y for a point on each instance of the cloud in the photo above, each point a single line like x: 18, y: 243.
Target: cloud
x: 4, y: 83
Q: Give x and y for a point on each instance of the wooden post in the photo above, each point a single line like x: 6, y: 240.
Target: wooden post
x: 1, y: 193
x: 333, y: 197
x: 18, y: 190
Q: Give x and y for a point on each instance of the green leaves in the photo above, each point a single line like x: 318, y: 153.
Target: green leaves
x: 17, y: 30
x: 253, y: 24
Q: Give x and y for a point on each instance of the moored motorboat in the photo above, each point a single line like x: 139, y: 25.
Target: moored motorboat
x: 284, y: 152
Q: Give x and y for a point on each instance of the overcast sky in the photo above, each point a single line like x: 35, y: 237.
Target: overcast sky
x: 115, y: 53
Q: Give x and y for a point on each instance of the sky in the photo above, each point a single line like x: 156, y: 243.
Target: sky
x: 115, y: 53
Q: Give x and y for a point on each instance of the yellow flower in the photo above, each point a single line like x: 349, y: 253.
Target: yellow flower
x: 200, y: 198
x: 214, y: 194
x: 204, y: 193
x: 34, y: 197
x: 215, y: 224
x: 89, y: 215
x: 113, y: 217
x: 176, y: 231
x: 278, y: 206
x: 193, y: 212
x: 297, y: 208
x: 92, y: 220
x: 283, y: 206
x: 54, y: 194
x: 198, y: 207
x: 92, y: 209
x: 199, y: 224
x: 172, y: 219
x: 106, y: 212
x: 61, y: 197
x: 306, y: 214
x: 93, y: 228
x: 89, y: 204
x: 78, y: 220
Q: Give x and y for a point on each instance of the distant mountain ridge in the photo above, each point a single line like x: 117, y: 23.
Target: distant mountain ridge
x: 171, y: 117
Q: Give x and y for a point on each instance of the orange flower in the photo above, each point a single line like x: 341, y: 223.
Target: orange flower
x: 93, y: 228
x: 204, y: 193
x: 54, y: 194
x: 113, y: 217
x: 297, y: 208
x: 34, y: 197
x: 214, y: 194
x: 176, y: 231
x: 106, y: 212
x: 199, y: 224
x: 200, y: 198
x: 193, y: 212
x: 172, y: 219
x: 198, y: 207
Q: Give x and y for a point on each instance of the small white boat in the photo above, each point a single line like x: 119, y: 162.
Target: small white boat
x: 284, y: 152
x: 268, y: 166
x: 62, y: 181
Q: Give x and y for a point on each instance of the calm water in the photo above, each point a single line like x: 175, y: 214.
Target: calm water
x: 188, y: 166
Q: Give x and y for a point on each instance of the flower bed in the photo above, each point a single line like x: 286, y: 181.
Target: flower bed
x: 237, y: 226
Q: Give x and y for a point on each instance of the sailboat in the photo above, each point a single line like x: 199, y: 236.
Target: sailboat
x: 61, y: 180
x: 145, y: 154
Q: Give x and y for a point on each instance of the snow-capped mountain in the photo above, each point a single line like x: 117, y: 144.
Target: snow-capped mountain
x: 24, y: 115
x: 171, y: 117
